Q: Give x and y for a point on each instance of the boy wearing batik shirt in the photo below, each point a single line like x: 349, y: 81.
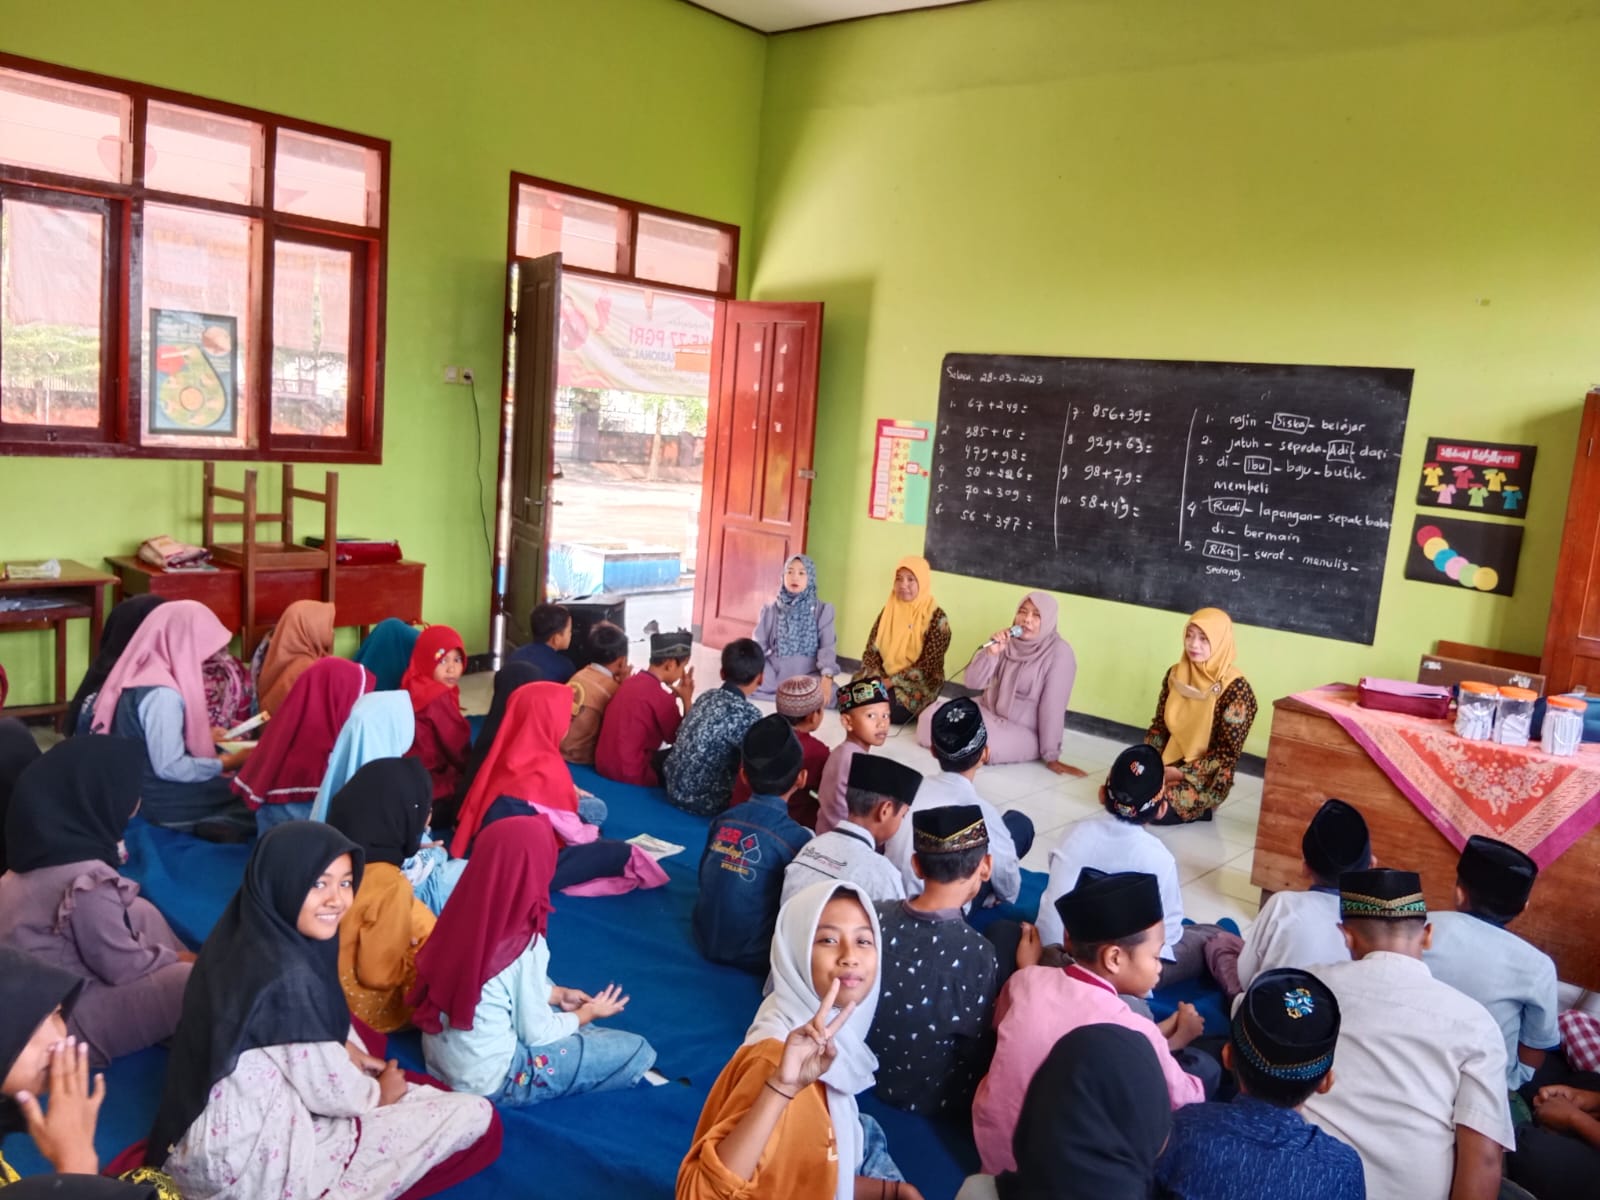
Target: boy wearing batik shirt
x: 879, y: 793
x: 1421, y: 1092
x: 1301, y: 929
x: 700, y: 769
x: 747, y: 849
x: 1259, y: 1147
x: 939, y: 976
x: 1476, y: 954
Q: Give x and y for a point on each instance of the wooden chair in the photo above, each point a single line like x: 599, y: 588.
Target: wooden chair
x: 253, y: 555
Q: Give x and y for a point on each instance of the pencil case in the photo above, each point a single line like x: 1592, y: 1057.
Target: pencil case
x: 1412, y: 699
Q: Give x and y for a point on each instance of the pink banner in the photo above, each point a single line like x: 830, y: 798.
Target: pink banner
x: 633, y: 339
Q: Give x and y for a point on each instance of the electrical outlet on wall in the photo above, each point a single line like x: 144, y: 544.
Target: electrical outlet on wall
x: 452, y: 374
x: 466, y: 375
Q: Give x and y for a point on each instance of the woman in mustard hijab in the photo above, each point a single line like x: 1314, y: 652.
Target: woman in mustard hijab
x: 907, y: 645
x: 1203, y: 716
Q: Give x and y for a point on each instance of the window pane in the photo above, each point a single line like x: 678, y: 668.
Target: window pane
x: 317, y: 177
x: 684, y: 253
x: 311, y: 340
x: 51, y: 279
x: 63, y: 127
x: 590, y: 235
x: 202, y: 154
x: 195, y: 328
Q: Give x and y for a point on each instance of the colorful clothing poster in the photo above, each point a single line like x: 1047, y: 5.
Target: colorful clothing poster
x: 902, y: 465
x: 1480, y: 556
x: 193, y: 374
x: 1489, y: 478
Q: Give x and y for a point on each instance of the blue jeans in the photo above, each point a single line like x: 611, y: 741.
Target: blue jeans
x: 875, y: 1160
x: 591, y: 1060
x: 592, y: 810
x: 269, y: 815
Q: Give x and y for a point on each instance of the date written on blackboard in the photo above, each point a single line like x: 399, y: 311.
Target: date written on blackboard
x: 1265, y: 489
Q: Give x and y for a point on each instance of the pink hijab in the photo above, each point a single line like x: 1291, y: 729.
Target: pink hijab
x: 1025, y: 661
x: 167, y: 651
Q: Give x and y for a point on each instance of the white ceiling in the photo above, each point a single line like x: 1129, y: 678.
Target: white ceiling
x: 774, y: 16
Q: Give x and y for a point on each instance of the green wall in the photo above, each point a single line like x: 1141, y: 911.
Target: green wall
x: 1399, y: 185
x: 648, y: 99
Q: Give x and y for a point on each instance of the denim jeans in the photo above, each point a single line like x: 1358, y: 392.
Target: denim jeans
x: 592, y: 810
x: 591, y: 1060
x: 441, y: 881
x: 875, y: 1160
x: 269, y: 815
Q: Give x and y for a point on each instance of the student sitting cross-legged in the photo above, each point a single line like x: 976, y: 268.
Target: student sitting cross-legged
x: 1114, y: 930
x: 1301, y: 929
x: 934, y: 1031
x: 265, y: 1095
x: 1474, y: 952
x: 592, y: 690
x: 700, y: 769
x: 801, y: 702
x: 880, y: 793
x: 65, y: 901
x: 1422, y: 1090
x: 492, y: 1021
x: 782, y: 1122
x: 864, y: 713
x: 642, y: 719
x: 1119, y: 839
x: 961, y: 744
x: 551, y: 627
x: 747, y: 849
x: 443, y: 739
x: 1259, y: 1147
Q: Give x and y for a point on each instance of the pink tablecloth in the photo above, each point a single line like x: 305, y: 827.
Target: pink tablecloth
x: 1520, y: 795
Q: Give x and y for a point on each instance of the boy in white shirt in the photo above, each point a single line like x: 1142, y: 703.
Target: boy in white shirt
x: 877, y: 797
x: 1300, y: 929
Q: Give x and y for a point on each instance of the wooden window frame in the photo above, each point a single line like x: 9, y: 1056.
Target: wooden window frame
x: 634, y: 209
x: 122, y: 372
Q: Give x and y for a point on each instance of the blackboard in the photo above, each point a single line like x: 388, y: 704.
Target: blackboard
x: 1263, y: 489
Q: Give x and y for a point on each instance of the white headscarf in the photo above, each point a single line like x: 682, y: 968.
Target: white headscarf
x: 793, y: 1001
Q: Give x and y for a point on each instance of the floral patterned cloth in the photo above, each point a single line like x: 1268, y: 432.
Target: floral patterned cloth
x: 919, y: 684
x: 1516, y: 794
x: 145, y: 1176
x: 1208, y: 779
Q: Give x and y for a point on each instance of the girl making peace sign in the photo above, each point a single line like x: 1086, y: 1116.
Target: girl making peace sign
x: 782, y: 1119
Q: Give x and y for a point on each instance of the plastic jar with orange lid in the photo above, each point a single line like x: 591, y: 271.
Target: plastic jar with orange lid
x: 1475, y: 709
x: 1563, y: 725
x: 1513, y: 720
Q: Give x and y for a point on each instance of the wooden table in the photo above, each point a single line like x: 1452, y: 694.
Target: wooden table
x: 1311, y: 758
x: 366, y: 593
x: 80, y: 593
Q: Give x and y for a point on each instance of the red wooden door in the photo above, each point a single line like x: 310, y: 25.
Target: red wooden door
x: 757, y: 482
x: 1572, y: 638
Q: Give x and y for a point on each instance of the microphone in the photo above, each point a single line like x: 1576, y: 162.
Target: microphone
x: 1016, y: 631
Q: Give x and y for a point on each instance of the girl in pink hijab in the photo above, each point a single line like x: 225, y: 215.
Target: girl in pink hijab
x: 156, y: 694
x: 1027, y: 681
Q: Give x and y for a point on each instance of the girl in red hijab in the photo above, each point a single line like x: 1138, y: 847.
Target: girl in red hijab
x: 492, y: 1022
x: 443, y: 738
x: 524, y: 761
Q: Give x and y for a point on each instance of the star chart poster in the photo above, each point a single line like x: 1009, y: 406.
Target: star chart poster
x: 1488, y: 479
x: 902, y: 465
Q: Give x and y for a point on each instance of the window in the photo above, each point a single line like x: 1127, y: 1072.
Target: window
x: 603, y: 235
x: 183, y: 278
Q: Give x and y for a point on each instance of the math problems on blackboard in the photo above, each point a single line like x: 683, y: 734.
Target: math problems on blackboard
x: 1267, y: 490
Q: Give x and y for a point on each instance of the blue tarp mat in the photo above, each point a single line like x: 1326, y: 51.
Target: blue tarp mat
x: 693, y: 1012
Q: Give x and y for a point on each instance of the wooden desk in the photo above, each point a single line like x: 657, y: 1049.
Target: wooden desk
x: 81, y: 593
x: 1310, y: 758
x: 366, y: 593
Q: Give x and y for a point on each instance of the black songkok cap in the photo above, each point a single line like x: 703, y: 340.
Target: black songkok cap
x: 771, y: 753
x: 1287, y: 1025
x: 1336, y: 841
x: 1107, y: 908
x: 678, y: 644
x: 950, y: 829
x: 1381, y: 895
x: 1136, y: 781
x: 1500, y: 877
x: 884, y: 777
x: 959, y: 734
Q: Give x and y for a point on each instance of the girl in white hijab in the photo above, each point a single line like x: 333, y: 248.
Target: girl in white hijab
x: 781, y: 1120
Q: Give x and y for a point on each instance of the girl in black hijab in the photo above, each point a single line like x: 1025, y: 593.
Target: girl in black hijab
x: 64, y: 901
x: 17, y: 752
x: 507, y: 680
x: 290, y: 1108
x: 383, y: 809
x: 122, y: 622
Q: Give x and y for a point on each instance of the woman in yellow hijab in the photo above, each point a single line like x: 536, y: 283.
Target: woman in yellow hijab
x: 1203, y: 716
x: 907, y: 645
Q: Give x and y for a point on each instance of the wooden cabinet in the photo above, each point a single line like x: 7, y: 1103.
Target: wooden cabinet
x: 1572, y: 637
